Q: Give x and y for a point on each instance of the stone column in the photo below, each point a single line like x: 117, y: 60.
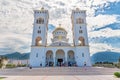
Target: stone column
x: 66, y: 61
x: 54, y: 58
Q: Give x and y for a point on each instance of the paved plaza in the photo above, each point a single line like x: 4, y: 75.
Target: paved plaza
x: 59, y: 73
x: 72, y: 77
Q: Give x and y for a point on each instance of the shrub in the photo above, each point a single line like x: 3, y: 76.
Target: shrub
x: 2, y: 78
x: 21, y: 65
x: 117, y: 74
x: 10, y: 66
x: 1, y: 65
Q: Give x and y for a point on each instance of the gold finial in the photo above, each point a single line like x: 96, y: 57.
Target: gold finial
x: 77, y: 9
x: 59, y: 25
x: 42, y: 8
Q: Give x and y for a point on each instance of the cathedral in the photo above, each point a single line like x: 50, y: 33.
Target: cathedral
x: 60, y: 52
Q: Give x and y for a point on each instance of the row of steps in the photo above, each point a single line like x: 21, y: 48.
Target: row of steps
x: 61, y: 71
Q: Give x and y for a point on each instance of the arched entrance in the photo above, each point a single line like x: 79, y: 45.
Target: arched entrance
x: 71, y: 58
x: 49, y: 58
x: 60, y: 57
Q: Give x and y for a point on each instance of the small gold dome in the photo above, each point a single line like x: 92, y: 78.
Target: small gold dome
x: 59, y: 28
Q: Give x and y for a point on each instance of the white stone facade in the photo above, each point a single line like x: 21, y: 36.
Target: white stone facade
x: 59, y: 52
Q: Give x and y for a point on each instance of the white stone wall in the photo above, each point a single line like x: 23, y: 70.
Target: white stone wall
x: 35, y: 60
x: 80, y: 59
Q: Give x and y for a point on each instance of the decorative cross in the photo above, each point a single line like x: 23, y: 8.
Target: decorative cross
x: 59, y: 25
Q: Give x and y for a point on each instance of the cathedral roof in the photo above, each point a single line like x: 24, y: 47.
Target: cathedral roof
x: 59, y: 28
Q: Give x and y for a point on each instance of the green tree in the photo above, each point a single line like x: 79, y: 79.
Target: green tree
x: 2, y: 61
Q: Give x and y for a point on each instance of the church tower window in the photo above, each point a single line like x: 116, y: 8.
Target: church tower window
x: 80, y: 31
x: 79, y: 21
x: 38, y: 41
x: 40, y: 21
x: 39, y: 31
x: 82, y: 41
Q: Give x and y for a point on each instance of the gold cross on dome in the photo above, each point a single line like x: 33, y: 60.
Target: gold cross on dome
x: 59, y: 25
x: 42, y: 8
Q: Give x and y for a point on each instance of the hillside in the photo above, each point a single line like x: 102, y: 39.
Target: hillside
x: 17, y: 55
x: 105, y: 57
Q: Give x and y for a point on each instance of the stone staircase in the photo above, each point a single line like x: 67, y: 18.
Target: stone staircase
x: 60, y: 71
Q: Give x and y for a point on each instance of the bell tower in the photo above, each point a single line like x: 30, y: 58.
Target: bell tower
x: 79, y: 27
x: 80, y: 37
x: 39, y: 38
x: 40, y: 27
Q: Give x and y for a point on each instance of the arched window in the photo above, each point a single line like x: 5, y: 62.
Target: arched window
x: 80, y: 27
x: 79, y: 21
x: 81, y: 41
x: 39, y: 31
x: 36, y: 54
x: 82, y: 54
x: 38, y: 41
x: 71, y: 57
x: 40, y: 21
x: 49, y: 58
x: 80, y: 31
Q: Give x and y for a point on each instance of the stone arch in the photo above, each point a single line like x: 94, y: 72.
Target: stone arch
x: 71, y: 58
x: 60, y: 57
x: 79, y: 21
x: 40, y: 21
x: 38, y: 41
x: 81, y: 41
x: 49, y: 58
x: 60, y: 53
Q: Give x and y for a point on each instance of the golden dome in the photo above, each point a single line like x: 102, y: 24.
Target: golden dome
x: 59, y: 28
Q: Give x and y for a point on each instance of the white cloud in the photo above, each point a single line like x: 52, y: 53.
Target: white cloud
x: 99, y: 47
x: 16, y: 18
x: 107, y: 32
x: 101, y: 2
x: 100, y: 21
x: 12, y: 42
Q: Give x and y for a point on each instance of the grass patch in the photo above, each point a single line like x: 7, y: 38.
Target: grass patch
x: 117, y: 74
x: 1, y: 78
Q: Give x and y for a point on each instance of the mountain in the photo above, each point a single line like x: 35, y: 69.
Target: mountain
x: 105, y: 57
x: 17, y: 55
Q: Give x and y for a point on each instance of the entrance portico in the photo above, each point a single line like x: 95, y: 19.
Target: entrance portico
x: 60, y: 57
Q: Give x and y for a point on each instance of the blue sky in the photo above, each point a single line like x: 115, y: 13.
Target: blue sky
x: 16, y: 19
